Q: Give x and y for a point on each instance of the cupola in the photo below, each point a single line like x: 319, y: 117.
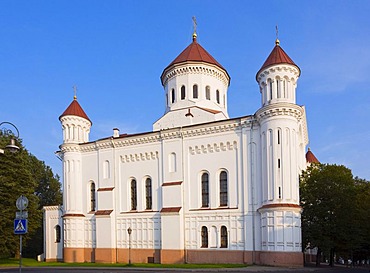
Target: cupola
x: 195, y: 86
x: 278, y: 77
x: 75, y: 123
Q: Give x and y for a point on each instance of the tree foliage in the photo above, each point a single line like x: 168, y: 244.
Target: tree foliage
x: 335, y: 218
x: 22, y: 173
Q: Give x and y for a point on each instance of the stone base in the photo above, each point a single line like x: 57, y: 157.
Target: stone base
x: 173, y: 256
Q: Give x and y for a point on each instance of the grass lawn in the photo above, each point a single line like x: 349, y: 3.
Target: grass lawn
x: 27, y: 262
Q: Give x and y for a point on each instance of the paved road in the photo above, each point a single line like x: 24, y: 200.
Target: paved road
x: 337, y: 269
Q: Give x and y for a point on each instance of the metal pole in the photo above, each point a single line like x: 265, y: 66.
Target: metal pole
x: 129, y: 248
x: 20, y: 253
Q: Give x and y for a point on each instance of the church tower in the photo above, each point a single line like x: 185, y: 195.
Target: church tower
x: 283, y: 137
x: 195, y: 86
x: 76, y: 128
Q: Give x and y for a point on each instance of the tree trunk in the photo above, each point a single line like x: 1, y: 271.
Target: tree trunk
x: 331, y: 257
x: 318, y: 257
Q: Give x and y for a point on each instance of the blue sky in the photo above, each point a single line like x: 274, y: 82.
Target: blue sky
x: 115, y: 51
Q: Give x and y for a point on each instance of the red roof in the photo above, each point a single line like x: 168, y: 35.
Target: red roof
x: 75, y: 109
x: 196, y: 53
x: 277, y: 56
x: 310, y: 157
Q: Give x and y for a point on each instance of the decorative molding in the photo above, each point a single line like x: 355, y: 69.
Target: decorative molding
x: 216, y: 147
x: 139, y: 157
x: 280, y: 109
x: 155, y: 137
x: 285, y: 68
x: 198, y: 68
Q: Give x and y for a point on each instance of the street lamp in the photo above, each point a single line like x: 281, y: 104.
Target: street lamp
x: 10, y: 147
x: 129, y: 231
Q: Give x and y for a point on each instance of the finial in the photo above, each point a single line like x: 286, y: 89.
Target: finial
x: 277, y: 42
x: 75, y: 92
x: 194, y: 28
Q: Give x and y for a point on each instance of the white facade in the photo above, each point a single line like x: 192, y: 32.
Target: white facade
x: 200, y: 188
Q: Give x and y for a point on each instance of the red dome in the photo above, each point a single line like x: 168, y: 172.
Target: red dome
x: 75, y: 109
x: 277, y: 56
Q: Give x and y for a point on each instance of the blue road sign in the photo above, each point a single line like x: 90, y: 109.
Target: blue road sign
x: 20, y: 226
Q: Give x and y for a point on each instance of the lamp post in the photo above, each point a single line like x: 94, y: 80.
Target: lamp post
x: 129, y: 231
x: 10, y: 147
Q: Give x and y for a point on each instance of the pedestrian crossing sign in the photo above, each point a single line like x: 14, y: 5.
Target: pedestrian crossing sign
x: 20, y: 226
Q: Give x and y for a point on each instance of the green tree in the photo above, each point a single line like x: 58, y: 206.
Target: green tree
x: 327, y: 198
x: 48, y: 193
x: 361, y: 246
x: 22, y: 174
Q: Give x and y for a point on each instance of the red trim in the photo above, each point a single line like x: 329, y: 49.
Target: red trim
x: 173, y: 209
x: 103, y: 212
x: 73, y: 215
x: 105, y: 189
x: 171, y: 183
x: 282, y: 205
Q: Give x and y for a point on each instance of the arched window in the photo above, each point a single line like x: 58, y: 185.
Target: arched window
x: 133, y: 195
x: 208, y: 92
x: 223, y: 188
x: 172, y: 162
x: 218, y: 96
x: 223, y: 237
x: 204, y: 236
x: 58, y: 233
x: 148, y: 193
x: 278, y: 91
x: 183, y: 94
x: 92, y: 197
x: 270, y: 85
x: 173, y: 95
x: 195, y: 91
x: 106, y: 169
x: 205, y: 190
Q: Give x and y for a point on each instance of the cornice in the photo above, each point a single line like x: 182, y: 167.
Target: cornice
x: 195, y: 68
x: 281, y: 68
x: 156, y: 137
x: 280, y: 109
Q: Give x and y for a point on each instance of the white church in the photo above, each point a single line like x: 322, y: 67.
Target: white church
x: 201, y: 187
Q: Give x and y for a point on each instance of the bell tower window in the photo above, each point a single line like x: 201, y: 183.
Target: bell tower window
x: 208, y: 93
x: 183, y: 94
x: 195, y: 91
x: 172, y: 95
x: 218, y: 96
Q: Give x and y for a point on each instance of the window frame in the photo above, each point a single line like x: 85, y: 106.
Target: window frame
x: 224, y: 191
x: 133, y: 191
x: 148, y: 194
x: 204, y: 237
x: 92, y: 196
x: 224, y: 237
x: 205, y: 189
